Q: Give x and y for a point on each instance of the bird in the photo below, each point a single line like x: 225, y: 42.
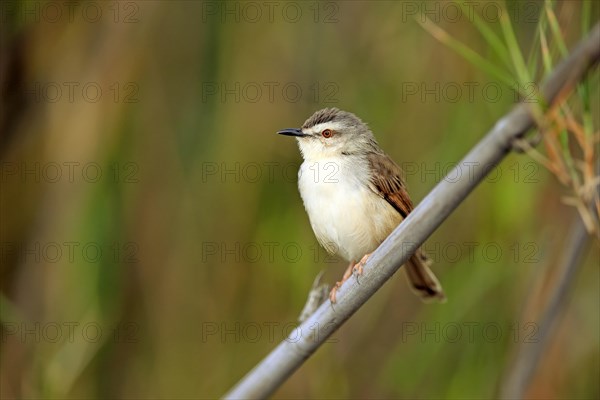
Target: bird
x: 354, y: 195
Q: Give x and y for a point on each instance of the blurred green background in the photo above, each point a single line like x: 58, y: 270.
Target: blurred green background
x: 154, y: 244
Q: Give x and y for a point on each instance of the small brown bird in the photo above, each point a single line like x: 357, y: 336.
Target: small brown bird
x: 354, y: 194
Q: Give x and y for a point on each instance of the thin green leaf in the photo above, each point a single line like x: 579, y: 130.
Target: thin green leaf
x: 534, y: 56
x: 488, y: 34
x: 555, y: 28
x: 546, y: 57
x: 465, y: 51
x: 583, y: 89
x: 514, y: 50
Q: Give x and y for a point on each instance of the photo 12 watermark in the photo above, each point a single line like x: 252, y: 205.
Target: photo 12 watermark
x: 68, y: 172
x: 468, y: 92
x: 87, y: 92
x: 270, y: 92
x: 254, y: 12
x: 452, y: 172
x: 249, y: 172
x: 69, y: 332
x: 68, y: 11
x: 468, y: 332
x: 70, y: 252
x: 451, y: 12
x: 266, y: 331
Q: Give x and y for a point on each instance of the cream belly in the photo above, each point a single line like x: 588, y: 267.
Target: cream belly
x: 347, y: 217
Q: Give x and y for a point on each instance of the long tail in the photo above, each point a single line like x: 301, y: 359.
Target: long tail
x: 422, y: 280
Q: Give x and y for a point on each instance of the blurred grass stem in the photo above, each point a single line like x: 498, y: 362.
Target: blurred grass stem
x: 528, y: 355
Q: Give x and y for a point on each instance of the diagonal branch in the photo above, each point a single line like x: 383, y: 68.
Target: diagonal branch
x: 289, y: 355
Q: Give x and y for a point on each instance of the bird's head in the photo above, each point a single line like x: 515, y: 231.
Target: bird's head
x: 331, y: 132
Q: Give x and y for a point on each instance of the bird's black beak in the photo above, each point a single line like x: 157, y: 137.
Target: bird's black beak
x: 292, y: 132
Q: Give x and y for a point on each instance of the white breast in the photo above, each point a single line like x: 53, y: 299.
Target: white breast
x: 347, y: 217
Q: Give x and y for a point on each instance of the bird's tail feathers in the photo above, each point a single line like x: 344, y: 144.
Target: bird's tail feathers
x: 422, y: 280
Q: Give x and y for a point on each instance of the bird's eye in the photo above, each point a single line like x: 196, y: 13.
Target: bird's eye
x: 327, y: 133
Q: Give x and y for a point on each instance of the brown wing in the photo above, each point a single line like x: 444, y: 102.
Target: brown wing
x: 386, y: 181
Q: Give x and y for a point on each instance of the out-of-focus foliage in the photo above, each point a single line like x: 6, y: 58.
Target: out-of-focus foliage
x: 153, y: 241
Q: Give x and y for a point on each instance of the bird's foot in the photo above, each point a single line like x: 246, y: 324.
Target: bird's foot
x: 358, y: 268
x: 347, y: 275
x: 333, y: 293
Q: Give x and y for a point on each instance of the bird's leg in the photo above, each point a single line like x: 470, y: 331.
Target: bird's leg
x: 346, y: 276
x: 358, y: 268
